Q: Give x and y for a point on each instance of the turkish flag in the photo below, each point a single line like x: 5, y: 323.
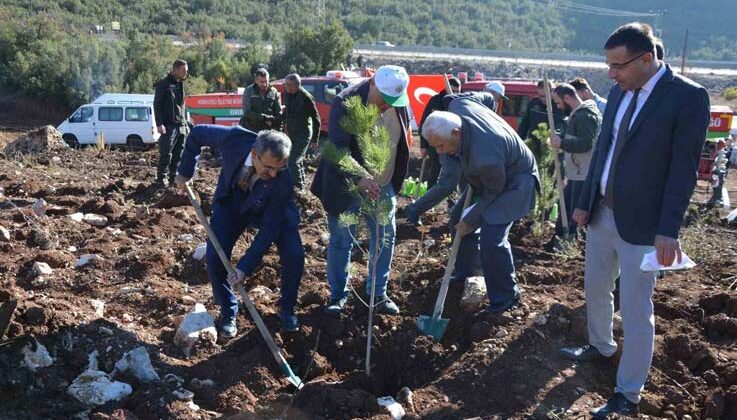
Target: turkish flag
x: 421, y: 88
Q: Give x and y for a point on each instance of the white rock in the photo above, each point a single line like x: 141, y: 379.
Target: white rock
x: 94, y: 219
x: 183, y: 394
x: 93, y: 387
x: 325, y: 238
x: 474, y: 293
x: 36, y: 359
x: 4, y: 234
x: 428, y: 242
x: 88, y: 258
x: 115, y: 232
x: 99, y: 307
x: 501, y: 333
x: 41, y: 269
x: 39, y: 207
x: 72, y: 249
x: 261, y: 294
x: 392, y: 407
x: 200, y: 252
x: 77, y: 217
x: 196, y: 323
x: 185, y: 238
x: 139, y: 364
x: 56, y: 159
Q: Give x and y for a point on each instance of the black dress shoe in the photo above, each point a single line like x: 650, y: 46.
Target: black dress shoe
x: 581, y: 354
x: 618, y: 404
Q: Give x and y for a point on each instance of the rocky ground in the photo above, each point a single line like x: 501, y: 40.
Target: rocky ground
x: 145, y: 280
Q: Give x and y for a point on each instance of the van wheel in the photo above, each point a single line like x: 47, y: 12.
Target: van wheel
x: 135, y: 143
x: 71, y: 140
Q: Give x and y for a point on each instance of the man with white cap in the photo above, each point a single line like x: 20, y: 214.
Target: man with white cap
x: 387, y: 90
x: 497, y: 90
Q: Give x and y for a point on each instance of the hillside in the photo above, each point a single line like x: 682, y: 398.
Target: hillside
x: 495, y: 24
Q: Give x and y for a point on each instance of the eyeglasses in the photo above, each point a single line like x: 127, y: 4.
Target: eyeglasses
x: 620, y: 66
x: 271, y: 168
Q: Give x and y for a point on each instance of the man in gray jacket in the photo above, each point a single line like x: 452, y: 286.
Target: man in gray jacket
x: 577, y: 143
x: 503, y: 173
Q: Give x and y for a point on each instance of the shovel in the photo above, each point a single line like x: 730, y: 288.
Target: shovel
x: 556, y: 162
x: 434, y: 325
x: 275, y: 351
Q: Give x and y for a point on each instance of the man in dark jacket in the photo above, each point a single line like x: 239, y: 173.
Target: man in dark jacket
x: 537, y: 113
x: 254, y: 190
x: 503, y: 173
x: 261, y: 104
x: 577, y: 143
x: 302, y: 125
x: 432, y: 165
x: 171, y: 121
x: 387, y: 90
x: 642, y: 176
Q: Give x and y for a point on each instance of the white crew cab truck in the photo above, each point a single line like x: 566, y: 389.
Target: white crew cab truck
x: 121, y: 118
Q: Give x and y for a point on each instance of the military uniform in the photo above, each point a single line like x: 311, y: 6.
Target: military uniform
x: 302, y: 126
x: 261, y: 112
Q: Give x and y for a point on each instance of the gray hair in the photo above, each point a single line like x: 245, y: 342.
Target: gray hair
x: 293, y: 77
x: 440, y: 124
x: 275, y: 142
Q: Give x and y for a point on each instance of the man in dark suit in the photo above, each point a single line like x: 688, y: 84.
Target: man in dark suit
x: 387, y: 90
x: 254, y: 190
x: 641, y: 178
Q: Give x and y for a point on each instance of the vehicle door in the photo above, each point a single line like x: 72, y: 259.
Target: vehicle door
x: 110, y: 123
x: 82, y: 124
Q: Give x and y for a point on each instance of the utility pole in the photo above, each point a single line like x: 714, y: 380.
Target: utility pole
x: 683, y: 55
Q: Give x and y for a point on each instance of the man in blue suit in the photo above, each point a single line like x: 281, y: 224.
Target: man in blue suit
x: 639, y: 185
x: 254, y: 190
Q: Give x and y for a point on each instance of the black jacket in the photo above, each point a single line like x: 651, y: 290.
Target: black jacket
x: 169, y: 102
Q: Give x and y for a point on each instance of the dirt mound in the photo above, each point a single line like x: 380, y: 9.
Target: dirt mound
x: 42, y: 139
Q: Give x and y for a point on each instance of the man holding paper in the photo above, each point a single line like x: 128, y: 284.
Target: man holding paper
x: 638, y: 187
x: 503, y: 173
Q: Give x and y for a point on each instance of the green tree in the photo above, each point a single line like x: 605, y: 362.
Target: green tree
x: 314, y: 50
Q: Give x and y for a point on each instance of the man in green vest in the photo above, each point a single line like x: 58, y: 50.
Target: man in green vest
x: 261, y: 105
x: 302, y: 125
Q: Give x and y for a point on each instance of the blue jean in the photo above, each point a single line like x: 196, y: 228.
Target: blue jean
x: 341, y: 244
x: 228, y: 224
x: 490, y: 251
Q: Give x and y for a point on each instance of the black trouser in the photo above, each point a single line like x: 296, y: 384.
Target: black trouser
x: 432, y: 167
x: 171, y: 145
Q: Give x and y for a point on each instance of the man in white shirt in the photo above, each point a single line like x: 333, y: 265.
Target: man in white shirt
x: 639, y: 184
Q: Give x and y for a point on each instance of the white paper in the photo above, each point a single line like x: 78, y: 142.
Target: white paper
x: 650, y: 263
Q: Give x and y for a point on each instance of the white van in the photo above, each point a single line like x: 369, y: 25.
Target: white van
x: 121, y: 118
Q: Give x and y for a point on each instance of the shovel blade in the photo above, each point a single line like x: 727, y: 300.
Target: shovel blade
x: 434, y: 327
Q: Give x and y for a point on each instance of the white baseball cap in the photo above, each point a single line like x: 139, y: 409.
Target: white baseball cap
x: 497, y: 87
x: 392, y: 82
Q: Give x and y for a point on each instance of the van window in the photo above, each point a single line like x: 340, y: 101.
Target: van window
x: 138, y: 113
x: 332, y: 89
x: 82, y: 115
x: 515, y: 106
x: 110, y: 113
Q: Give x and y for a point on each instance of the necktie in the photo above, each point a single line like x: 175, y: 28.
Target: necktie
x: 244, y: 177
x: 622, y: 135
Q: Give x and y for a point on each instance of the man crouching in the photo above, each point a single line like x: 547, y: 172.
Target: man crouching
x: 254, y: 190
